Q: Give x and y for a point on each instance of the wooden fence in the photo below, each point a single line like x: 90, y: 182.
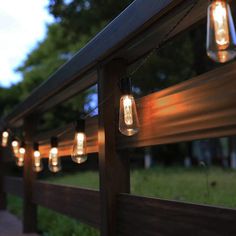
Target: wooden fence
x: 184, y: 112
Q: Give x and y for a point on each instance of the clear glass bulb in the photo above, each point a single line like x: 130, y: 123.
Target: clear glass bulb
x: 5, y: 136
x: 37, y: 162
x: 128, y: 118
x: 15, y: 147
x: 20, y: 158
x: 54, y: 162
x: 79, y: 152
x: 221, y: 36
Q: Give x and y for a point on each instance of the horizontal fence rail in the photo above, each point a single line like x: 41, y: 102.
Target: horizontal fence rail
x: 195, y: 109
x: 82, y: 204
x: 153, y: 217
x: 132, y: 34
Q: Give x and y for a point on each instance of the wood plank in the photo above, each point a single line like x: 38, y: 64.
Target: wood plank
x: 154, y: 217
x: 113, y: 168
x: 29, y: 177
x: 81, y: 204
x: 13, y: 185
x: 203, y: 107
x: 195, y: 109
x: 126, y: 36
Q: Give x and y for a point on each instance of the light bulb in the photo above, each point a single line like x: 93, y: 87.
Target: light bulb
x: 5, y: 136
x: 221, y: 36
x: 15, y: 147
x: 79, y: 153
x: 54, y: 162
x: 128, y: 118
x: 21, y: 155
x: 37, y: 160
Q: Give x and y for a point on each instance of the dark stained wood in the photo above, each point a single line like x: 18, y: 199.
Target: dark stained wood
x: 195, y: 109
x: 81, y: 204
x: 13, y: 185
x: 29, y: 208
x: 153, y: 217
x: 126, y: 37
x: 113, y: 168
x: 203, y: 107
x: 3, y: 199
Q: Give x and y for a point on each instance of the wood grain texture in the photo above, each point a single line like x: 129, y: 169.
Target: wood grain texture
x: 81, y: 204
x: 129, y: 36
x: 29, y: 177
x: 153, y: 217
x: 195, y: 109
x: 13, y: 185
x: 203, y: 107
x: 113, y: 167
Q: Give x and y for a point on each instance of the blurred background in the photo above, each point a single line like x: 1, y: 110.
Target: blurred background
x: 37, y: 37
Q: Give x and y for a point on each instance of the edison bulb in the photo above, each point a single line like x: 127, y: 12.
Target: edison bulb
x: 79, y: 152
x: 221, y: 37
x: 54, y: 162
x: 128, y: 118
x: 37, y: 161
x: 21, y: 157
x: 5, y: 136
x: 15, y: 146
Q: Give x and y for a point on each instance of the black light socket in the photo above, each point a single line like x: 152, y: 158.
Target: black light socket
x: 54, y: 141
x: 80, y: 125
x: 125, y: 85
x: 36, y: 146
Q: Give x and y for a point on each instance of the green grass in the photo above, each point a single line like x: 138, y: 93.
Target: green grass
x: 169, y: 183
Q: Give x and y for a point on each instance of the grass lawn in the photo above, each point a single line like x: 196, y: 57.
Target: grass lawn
x: 214, y: 186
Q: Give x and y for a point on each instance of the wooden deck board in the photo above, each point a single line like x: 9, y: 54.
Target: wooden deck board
x: 10, y: 225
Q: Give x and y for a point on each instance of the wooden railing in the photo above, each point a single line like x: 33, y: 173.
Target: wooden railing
x: 195, y: 109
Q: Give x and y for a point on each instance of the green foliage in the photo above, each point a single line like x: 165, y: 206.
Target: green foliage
x: 173, y: 183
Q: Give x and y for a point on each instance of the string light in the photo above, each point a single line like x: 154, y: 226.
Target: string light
x: 5, y: 137
x: 15, y: 146
x: 79, y: 151
x: 128, y: 118
x: 221, y: 36
x: 21, y: 156
x: 37, y: 160
x: 54, y: 162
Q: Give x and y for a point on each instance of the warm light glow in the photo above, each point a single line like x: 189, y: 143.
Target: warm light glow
x: 54, y: 161
x: 128, y: 118
x: 5, y: 136
x: 15, y: 146
x: 221, y: 36
x: 221, y: 24
x: 21, y: 157
x: 128, y: 115
x: 37, y: 162
x: 79, y: 152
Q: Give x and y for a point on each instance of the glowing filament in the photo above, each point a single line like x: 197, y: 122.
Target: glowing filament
x: 5, y: 136
x: 54, y: 156
x: 15, y: 146
x: 20, y: 159
x: 221, y: 24
x: 37, y: 160
x: 128, y: 114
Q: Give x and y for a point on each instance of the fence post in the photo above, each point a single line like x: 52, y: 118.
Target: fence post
x: 3, y: 198
x: 29, y: 208
x: 114, y: 168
